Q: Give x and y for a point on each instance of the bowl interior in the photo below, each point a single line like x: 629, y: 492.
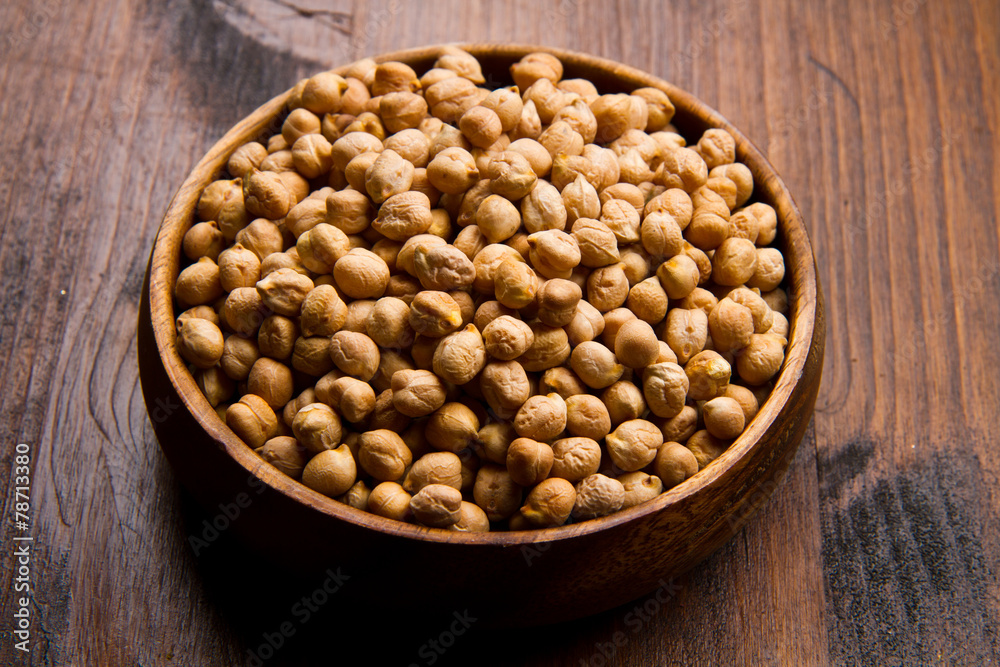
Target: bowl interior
x: 692, y: 118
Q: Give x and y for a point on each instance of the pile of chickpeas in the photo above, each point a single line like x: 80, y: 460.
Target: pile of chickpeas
x: 478, y: 309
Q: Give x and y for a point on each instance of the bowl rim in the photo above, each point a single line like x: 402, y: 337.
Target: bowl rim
x: 801, y: 286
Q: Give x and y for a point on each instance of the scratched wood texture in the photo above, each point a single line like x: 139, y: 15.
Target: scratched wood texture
x: 881, y: 546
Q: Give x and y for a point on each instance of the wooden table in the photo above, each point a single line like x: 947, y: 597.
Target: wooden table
x: 882, y: 544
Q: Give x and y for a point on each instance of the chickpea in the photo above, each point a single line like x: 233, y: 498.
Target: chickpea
x: 598, y: 495
x: 549, y: 348
x: 636, y: 344
x: 587, y: 324
x: 724, y: 417
x: 348, y: 210
x: 271, y: 380
x: 541, y: 417
x: 452, y: 428
x: 417, y: 393
x: 265, y: 195
x: 471, y: 519
x: 361, y: 274
x: 607, y: 287
x: 404, y: 215
x: 453, y: 170
x: 515, y: 283
x: 253, y: 420
x: 639, y: 488
x: 507, y: 338
x: 549, y: 503
x: 731, y: 325
x: 717, y: 147
x: 204, y: 239
x: 437, y: 506
x: 355, y: 354
x: 557, y: 302
x: 674, y: 463
x: 238, y: 357
x: 624, y: 401
x: 505, y: 387
x: 769, y: 270
x: 200, y: 342
x: 434, y: 468
x: 496, y: 493
x: 682, y: 168
x: 460, y: 355
x: 497, y: 218
x: 390, y: 500
x: 243, y: 311
x: 562, y: 381
x: 442, y: 267
x: 383, y: 455
x: 648, y: 301
x: 681, y: 426
x: 581, y: 200
x: 597, y: 243
x: 665, y: 387
x: 529, y: 461
x: 595, y: 364
x: 587, y: 416
x: 708, y: 375
x: 285, y: 454
x: 434, y: 313
x: 746, y: 399
x: 622, y: 219
x: 276, y: 337
x: 705, y: 447
x: 761, y: 359
x: 614, y: 320
x: 510, y: 175
x: 388, y: 323
x: 494, y: 440
x: 353, y: 399
x: 686, y: 333
x: 357, y: 496
x: 199, y: 283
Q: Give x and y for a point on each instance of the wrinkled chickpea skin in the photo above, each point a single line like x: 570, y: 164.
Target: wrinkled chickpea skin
x: 477, y: 309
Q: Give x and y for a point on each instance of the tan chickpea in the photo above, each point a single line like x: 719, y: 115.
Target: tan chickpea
x: 285, y: 454
x: 708, y: 375
x: 635, y: 263
x: 200, y: 342
x: 284, y: 290
x: 515, y: 283
x: 276, y: 337
x: 244, y: 311
x: 354, y: 399
x: 434, y: 468
x: 665, y: 388
x: 253, y: 420
x: 507, y: 338
x: 587, y: 324
x: 496, y: 493
x: 761, y: 359
x: 323, y: 312
x: 598, y: 495
x: 384, y: 455
x: 622, y: 219
x: 681, y: 426
x: 442, y: 267
x: 581, y: 200
x: 549, y: 348
x: 389, y: 500
x: 528, y: 461
x: 199, y: 283
x: 636, y: 345
x: 769, y: 270
x: 355, y: 354
x: 587, y: 417
x: 614, y: 320
x: 246, y: 158
x: 357, y: 315
x: 682, y: 168
x: 417, y: 393
x: 561, y: 380
x: 437, y: 506
x: 261, y: 237
x: 538, y: 157
x: 434, y: 314
x: 460, y: 355
x: 724, y: 417
x: 386, y: 416
x: 549, y: 503
x: 717, y: 147
x: 271, y: 380
x: 215, y: 385
x: 595, y: 364
x: 357, y: 496
x: 553, y: 253
x: 597, y: 243
x: 497, y: 218
x: 557, y: 302
x: 317, y: 428
x: 510, y: 175
x: 331, y: 472
x: 674, y: 463
x: 639, y: 488
x: 705, y: 447
x: 320, y: 247
x: 265, y: 195
x: 686, y: 333
x: 493, y: 441
x: 617, y: 113
x: 349, y: 211
x: 745, y: 398
x: 361, y: 274
x: 624, y: 401
x: 505, y: 387
x: 542, y: 418
x: 238, y: 357
x: 535, y: 66
x: 453, y: 170
x: 472, y: 519
x: 731, y: 325
x: 403, y: 215
x: 648, y: 301
x: 453, y: 427
x: 763, y: 316
x: 633, y: 444
x: 661, y: 235
x: 678, y: 276
x: 607, y: 287
x: 388, y: 323
x: 734, y: 262
x: 204, y: 239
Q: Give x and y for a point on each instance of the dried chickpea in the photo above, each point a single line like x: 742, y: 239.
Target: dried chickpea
x: 557, y: 302
x: 356, y: 496
x: 417, y: 393
x: 636, y: 345
x: 724, y: 417
x: 597, y: 243
x: 471, y: 519
x: 354, y: 399
x: 460, y: 355
x: 529, y: 461
x: 639, y: 487
x: 549, y: 503
x: 678, y: 276
x: 761, y: 358
x: 434, y: 468
x: 598, y: 495
x: 595, y: 364
x: 587, y: 416
x: 549, y: 348
x: 769, y: 270
x: 507, y: 338
x: 497, y: 218
x: 510, y: 175
x: 515, y: 283
x: 686, y: 333
x: 553, y: 253
x: 265, y: 195
x: 331, y: 472
x: 434, y: 314
x: 204, y: 239
x: 624, y: 401
x: 665, y: 387
x: 271, y: 380
x: 541, y: 418
x: 587, y: 324
x: 746, y: 399
x: 731, y: 325
x: 633, y: 444
x: 716, y: 147
x: 200, y: 342
x: 253, y: 420
x: 238, y: 357
x: 705, y: 447
x: 246, y: 158
x: 648, y: 301
x: 388, y: 323
x: 199, y: 283
x: 505, y: 387
x: 735, y: 262
x: 708, y: 375
x: 681, y: 426
x: 317, y: 428
x: 437, y: 506
x: 355, y: 354
x: 453, y: 170
x: 388, y: 499
x: 682, y: 168
x: 442, y: 267
x: 674, y: 463
x: 562, y: 381
x: 276, y: 337
x: 614, y: 320
x: 384, y: 455
x: 453, y: 427
x: 496, y: 493
x: 286, y: 454
x: 535, y: 66
x: 607, y: 287
x: 361, y: 274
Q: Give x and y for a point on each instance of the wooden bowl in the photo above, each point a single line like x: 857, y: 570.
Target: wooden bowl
x: 509, y: 578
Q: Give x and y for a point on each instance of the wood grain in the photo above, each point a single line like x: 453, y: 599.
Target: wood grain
x: 882, y: 545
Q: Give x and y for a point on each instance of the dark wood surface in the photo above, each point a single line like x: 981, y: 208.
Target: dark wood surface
x: 881, y: 546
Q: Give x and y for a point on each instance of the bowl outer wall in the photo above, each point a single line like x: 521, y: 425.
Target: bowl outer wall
x: 515, y: 578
